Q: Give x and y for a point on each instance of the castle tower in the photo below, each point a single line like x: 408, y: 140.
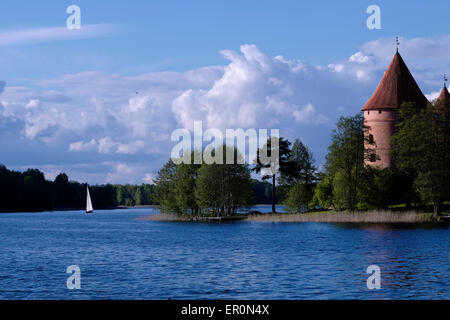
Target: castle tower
x: 381, y: 110
x: 443, y: 101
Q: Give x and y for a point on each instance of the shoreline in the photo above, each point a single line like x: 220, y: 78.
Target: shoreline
x: 378, y: 216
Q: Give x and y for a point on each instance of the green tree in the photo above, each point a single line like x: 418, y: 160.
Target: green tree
x: 422, y: 145
x: 120, y: 195
x: 300, y: 178
x: 298, y: 197
x: 165, y: 187
x: 281, y: 164
x: 345, y: 160
x: 184, y: 187
x: 323, y: 193
x: 138, y: 196
x: 224, y: 188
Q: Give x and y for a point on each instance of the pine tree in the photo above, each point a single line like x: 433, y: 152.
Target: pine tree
x: 281, y: 165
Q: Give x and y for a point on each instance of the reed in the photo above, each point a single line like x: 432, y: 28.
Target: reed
x: 165, y: 217
x: 374, y: 216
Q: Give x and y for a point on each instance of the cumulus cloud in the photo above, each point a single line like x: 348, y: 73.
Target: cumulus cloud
x: 256, y: 91
x: 359, y: 57
x: 125, y: 122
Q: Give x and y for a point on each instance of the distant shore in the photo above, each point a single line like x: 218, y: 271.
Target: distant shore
x: 378, y: 216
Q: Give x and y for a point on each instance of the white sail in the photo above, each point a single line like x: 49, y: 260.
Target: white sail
x: 89, y: 208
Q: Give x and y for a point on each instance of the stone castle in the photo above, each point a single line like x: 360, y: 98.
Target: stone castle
x: 381, y: 110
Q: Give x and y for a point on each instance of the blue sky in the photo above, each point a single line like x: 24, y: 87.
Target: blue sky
x: 68, y: 101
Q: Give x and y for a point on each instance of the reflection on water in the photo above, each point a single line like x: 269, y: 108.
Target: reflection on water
x: 124, y: 257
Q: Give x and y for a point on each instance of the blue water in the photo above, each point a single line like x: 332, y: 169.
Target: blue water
x: 123, y: 257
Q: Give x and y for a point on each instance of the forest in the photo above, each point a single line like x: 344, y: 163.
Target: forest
x: 30, y: 191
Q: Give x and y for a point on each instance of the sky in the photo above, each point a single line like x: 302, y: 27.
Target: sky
x: 100, y: 103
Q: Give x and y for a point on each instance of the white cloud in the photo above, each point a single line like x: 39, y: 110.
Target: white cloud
x: 359, y: 57
x: 433, y: 95
x: 39, y: 35
x: 308, y: 113
x: 336, y: 67
x: 121, y: 172
x: 254, y: 91
x: 105, y: 145
x: 100, y: 112
x: 148, y: 178
x: 83, y: 146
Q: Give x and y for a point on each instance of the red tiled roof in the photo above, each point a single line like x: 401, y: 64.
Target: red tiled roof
x: 396, y: 86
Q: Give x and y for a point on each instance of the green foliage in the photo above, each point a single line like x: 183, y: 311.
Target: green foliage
x: 165, y: 187
x: 223, y: 188
x: 323, y: 193
x: 281, y: 164
x: 261, y: 192
x: 30, y: 191
x: 421, y: 149
x: 298, y: 197
x: 299, y: 180
x: 345, y: 161
x: 187, y: 188
x: 382, y: 188
x: 184, y: 187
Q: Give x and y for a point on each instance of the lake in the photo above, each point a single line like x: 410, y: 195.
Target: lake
x: 123, y: 257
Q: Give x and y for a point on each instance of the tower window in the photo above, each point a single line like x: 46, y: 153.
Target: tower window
x: 368, y: 112
x: 370, y: 138
x: 373, y: 157
x: 379, y: 111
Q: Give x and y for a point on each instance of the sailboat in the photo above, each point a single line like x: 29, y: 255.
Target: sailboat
x: 89, y: 208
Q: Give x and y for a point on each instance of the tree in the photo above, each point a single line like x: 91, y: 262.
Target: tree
x: 300, y: 178
x: 138, y: 196
x: 301, y: 165
x: 164, y: 187
x: 345, y: 160
x: 422, y: 146
x: 298, y: 197
x: 62, y: 191
x: 281, y: 164
x: 184, y: 187
x: 223, y: 188
x: 323, y: 193
x: 261, y: 192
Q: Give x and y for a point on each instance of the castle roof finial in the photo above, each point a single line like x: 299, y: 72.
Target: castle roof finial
x: 445, y: 81
x: 397, y: 43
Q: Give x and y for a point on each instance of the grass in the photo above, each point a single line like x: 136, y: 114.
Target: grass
x: 375, y: 216
x: 187, y: 217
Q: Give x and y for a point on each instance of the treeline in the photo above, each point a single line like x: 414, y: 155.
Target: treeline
x: 30, y: 191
